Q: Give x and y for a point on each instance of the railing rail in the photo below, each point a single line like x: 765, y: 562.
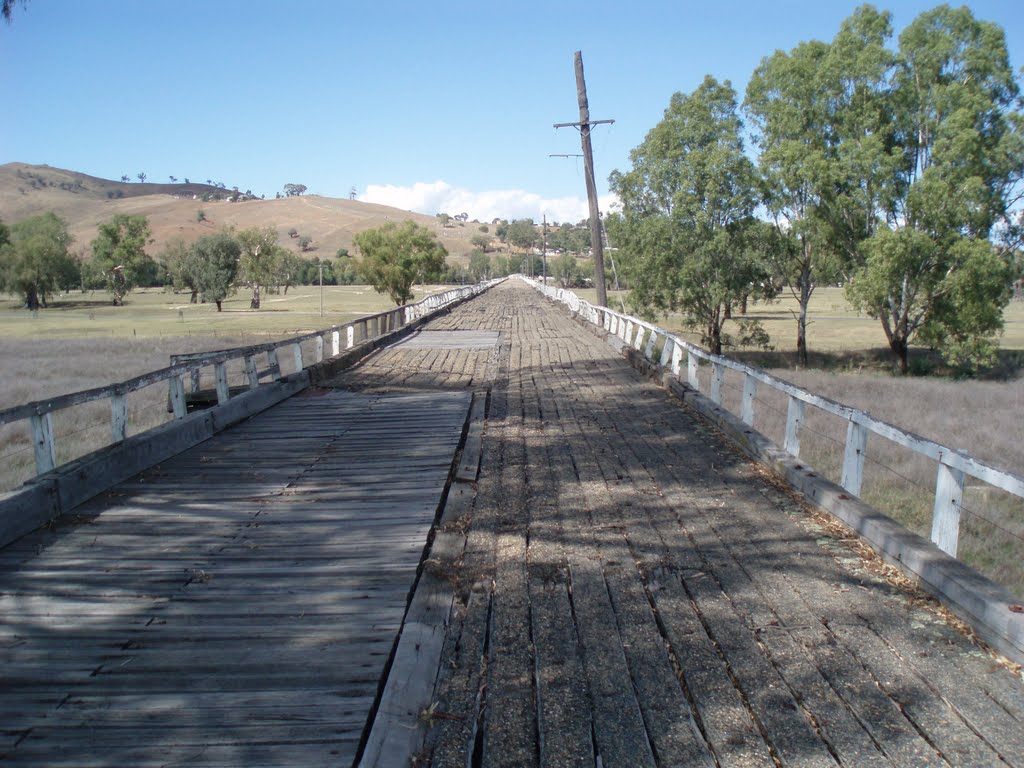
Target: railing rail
x: 335, y: 339
x: 953, y: 466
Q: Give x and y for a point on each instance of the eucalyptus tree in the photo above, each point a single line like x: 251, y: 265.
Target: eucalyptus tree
x: 259, y: 260
x: 687, y: 212
x: 34, y: 259
x: 395, y: 256
x: 820, y: 124
x: 212, y: 263
x: 119, y: 253
x: 930, y: 273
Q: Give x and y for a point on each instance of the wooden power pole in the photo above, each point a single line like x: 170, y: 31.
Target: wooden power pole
x: 585, y: 123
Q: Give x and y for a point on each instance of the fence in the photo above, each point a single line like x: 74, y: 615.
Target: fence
x: 661, y: 347
x: 337, y: 339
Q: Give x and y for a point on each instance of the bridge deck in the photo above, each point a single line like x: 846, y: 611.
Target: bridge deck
x: 233, y: 606
x: 625, y: 590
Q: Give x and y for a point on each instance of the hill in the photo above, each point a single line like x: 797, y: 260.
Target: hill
x: 86, y: 201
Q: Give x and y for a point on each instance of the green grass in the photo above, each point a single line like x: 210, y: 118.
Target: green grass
x: 154, y: 312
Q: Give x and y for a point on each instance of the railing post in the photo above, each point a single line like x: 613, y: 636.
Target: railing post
x: 319, y: 349
x: 42, y: 441
x: 251, y: 371
x: 336, y: 342
x: 949, y: 494
x: 652, y: 339
x: 668, y: 353
x: 223, y: 390
x: 194, y: 376
x: 749, y: 396
x: 638, y: 342
x: 350, y: 337
x: 853, y: 457
x: 717, y: 376
x: 273, y: 364
x: 297, y: 352
x: 176, y: 385
x: 119, y: 416
x: 692, y: 364
x: 794, y: 421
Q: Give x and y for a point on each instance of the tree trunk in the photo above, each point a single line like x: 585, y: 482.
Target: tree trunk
x: 804, y: 300
x: 743, y: 303
x: 255, y: 302
x: 195, y: 297
x: 901, y: 351
x: 218, y: 305
x: 728, y: 311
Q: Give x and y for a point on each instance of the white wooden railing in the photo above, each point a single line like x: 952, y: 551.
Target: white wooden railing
x: 337, y: 339
x: 952, y: 465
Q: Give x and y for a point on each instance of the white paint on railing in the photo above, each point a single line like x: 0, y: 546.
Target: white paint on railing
x: 118, y: 416
x: 949, y: 494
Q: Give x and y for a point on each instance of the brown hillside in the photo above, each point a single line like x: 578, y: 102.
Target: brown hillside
x: 86, y: 201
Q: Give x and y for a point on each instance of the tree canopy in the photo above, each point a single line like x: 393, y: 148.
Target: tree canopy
x: 687, y: 207
x: 396, y: 256
x: 212, y: 264
x: 34, y: 259
x: 259, y: 260
x: 119, y: 253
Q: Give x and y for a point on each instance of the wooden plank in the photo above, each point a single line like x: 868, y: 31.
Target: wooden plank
x: 470, y: 463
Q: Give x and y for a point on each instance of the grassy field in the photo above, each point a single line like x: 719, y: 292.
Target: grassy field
x: 82, y: 341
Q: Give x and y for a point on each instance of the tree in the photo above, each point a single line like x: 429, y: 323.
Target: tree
x: 687, y: 207
x: 289, y: 269
x: 7, y: 9
x: 801, y: 101
x: 119, y: 252
x: 522, y: 233
x: 174, y: 257
x: 259, y: 260
x: 395, y: 256
x: 212, y: 264
x: 34, y: 258
x: 294, y: 190
x: 200, y: 216
x: 173, y: 179
x: 481, y: 242
x: 444, y: 218
x: 929, y: 272
x: 125, y: 178
x: 304, y: 242
x: 479, y: 266
x: 141, y: 176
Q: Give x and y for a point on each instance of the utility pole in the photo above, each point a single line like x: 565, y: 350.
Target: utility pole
x: 321, y: 265
x: 584, y: 125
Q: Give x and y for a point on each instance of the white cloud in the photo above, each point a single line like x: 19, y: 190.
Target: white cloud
x: 441, y: 197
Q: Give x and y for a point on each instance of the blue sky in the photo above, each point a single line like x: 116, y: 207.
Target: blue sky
x: 442, y: 106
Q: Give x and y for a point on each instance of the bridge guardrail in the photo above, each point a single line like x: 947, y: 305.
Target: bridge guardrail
x: 953, y: 466
x: 336, y: 338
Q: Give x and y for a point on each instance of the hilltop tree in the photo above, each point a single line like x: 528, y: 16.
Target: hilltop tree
x: 141, y: 176
x: 294, y: 190
x: 125, y: 178
x: 34, y: 259
x: 119, y: 253
x: 687, y: 211
x: 259, y: 260
x: 212, y: 264
x: 395, y: 256
x: 7, y: 9
x: 930, y: 272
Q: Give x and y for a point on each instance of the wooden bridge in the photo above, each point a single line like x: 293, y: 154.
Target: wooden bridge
x: 492, y: 543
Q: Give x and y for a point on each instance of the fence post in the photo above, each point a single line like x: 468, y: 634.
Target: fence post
x: 42, y: 440
x: 638, y: 342
x: 692, y: 364
x: 194, y: 376
x: 749, y: 396
x: 251, y: 372
x: 350, y: 337
x: 223, y: 391
x: 177, y: 391
x: 336, y: 342
x: 319, y: 349
x: 949, y: 494
x: 717, y: 375
x: 297, y: 352
x: 794, y: 421
x: 853, y: 457
x: 119, y: 416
